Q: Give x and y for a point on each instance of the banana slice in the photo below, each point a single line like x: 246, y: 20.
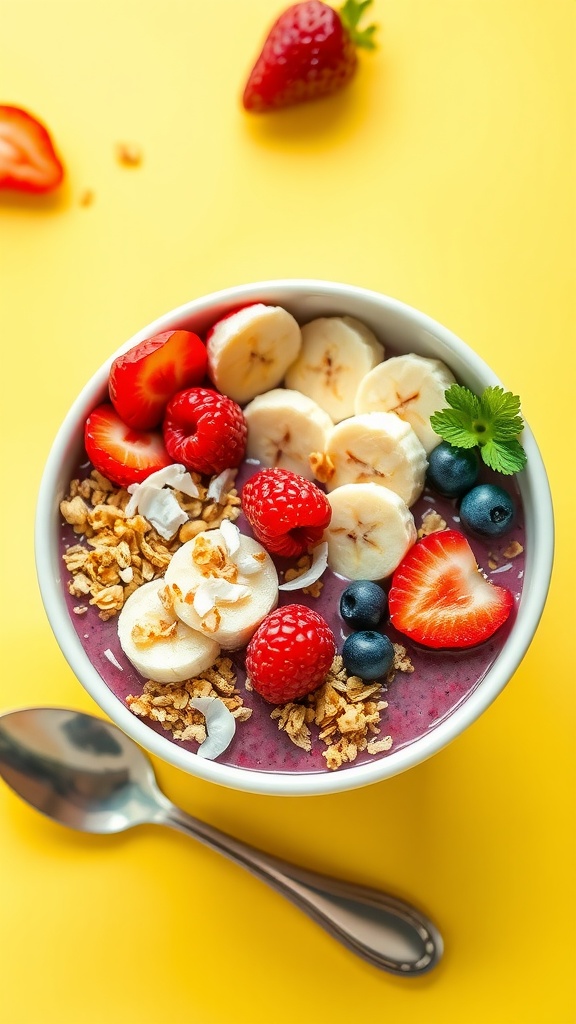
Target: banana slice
x: 158, y: 644
x: 284, y: 428
x: 380, y: 448
x: 223, y: 584
x: 336, y: 354
x: 370, y: 531
x: 411, y: 386
x: 250, y: 351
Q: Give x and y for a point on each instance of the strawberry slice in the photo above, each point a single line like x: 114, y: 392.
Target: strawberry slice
x: 440, y: 598
x: 143, y: 380
x: 28, y: 160
x: 123, y: 455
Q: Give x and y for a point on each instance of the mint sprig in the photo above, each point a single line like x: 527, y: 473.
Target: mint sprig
x: 491, y: 421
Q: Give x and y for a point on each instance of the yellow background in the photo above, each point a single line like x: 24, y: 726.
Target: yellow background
x: 444, y: 176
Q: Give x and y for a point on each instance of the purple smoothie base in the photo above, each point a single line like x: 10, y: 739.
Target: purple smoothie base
x: 417, y: 702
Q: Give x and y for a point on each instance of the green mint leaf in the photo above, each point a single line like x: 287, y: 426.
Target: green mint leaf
x: 491, y: 421
x: 453, y: 426
x: 459, y: 397
x: 506, y: 458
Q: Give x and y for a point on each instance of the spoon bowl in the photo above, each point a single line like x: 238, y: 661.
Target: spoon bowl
x: 85, y: 773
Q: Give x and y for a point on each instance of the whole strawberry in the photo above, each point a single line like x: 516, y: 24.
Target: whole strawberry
x: 288, y: 514
x: 204, y: 430
x: 310, y: 52
x: 290, y: 654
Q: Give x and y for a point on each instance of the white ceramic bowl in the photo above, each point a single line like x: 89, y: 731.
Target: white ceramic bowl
x: 406, y: 330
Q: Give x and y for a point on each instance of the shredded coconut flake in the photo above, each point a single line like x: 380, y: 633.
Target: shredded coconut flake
x: 502, y: 568
x: 220, y: 726
x: 231, y: 536
x: 211, y: 591
x: 221, y: 484
x: 176, y: 477
x: 108, y: 654
x: 318, y: 566
x: 161, y: 509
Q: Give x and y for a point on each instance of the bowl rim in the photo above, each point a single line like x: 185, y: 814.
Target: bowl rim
x: 533, y: 484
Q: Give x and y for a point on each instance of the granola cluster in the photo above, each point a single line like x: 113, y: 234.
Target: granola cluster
x: 170, y: 705
x: 119, y: 553
x: 347, y: 712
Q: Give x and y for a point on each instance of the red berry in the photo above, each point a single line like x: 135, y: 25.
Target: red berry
x: 144, y: 379
x: 122, y: 454
x: 288, y: 514
x: 310, y: 51
x: 204, y: 430
x: 290, y: 653
x: 28, y: 160
x: 440, y: 598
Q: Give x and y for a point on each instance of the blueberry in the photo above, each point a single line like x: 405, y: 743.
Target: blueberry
x: 487, y: 510
x: 452, y: 471
x: 367, y: 654
x: 363, y: 604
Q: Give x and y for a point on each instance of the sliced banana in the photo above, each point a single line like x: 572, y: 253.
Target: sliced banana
x: 222, y: 584
x: 250, y: 351
x: 336, y: 354
x: 380, y: 448
x: 370, y: 531
x: 284, y: 428
x: 158, y: 644
x: 411, y: 386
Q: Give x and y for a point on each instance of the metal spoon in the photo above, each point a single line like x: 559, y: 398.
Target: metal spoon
x: 85, y: 773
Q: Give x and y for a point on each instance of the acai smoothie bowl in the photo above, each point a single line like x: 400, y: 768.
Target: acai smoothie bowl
x: 294, y: 537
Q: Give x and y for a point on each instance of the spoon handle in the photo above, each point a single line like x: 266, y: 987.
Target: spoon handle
x: 385, y: 931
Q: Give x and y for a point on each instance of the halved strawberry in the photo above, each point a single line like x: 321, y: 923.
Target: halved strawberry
x: 123, y: 455
x: 440, y: 598
x: 144, y: 379
x: 28, y: 160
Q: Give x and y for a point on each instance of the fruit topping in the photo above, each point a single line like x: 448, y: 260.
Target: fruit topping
x: 363, y: 604
x: 123, y: 455
x: 452, y: 471
x: 205, y: 431
x: 370, y: 531
x: 379, y: 448
x: 144, y: 379
x: 222, y: 584
x: 488, y: 510
x: 284, y: 429
x: 250, y: 350
x: 310, y: 51
x: 368, y: 654
x: 336, y: 353
x: 440, y: 598
x: 159, y: 645
x: 491, y: 421
x: 290, y: 654
x: 28, y: 160
x: 412, y: 386
x: 287, y: 513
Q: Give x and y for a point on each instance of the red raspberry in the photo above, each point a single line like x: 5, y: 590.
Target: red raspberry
x: 288, y: 514
x: 204, y: 430
x: 290, y: 653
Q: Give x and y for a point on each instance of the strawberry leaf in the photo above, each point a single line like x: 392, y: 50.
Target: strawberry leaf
x: 350, y: 15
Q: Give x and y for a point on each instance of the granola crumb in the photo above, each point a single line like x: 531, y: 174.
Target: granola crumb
x: 322, y: 466
x: 432, y: 522
x: 513, y: 550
